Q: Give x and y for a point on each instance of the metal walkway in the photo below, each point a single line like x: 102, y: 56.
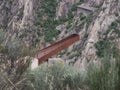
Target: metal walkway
x: 53, y: 49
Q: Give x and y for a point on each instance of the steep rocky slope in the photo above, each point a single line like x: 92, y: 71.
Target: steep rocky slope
x: 92, y: 28
x: 29, y: 25
x: 37, y: 23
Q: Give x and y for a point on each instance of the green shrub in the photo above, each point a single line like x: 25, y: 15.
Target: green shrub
x: 20, y: 14
x: 47, y: 9
x: 104, y: 77
x: 82, y: 18
x: 37, y: 22
x: 114, y: 24
x: 2, y: 49
x: 70, y: 16
x: 81, y: 1
x: 56, y: 77
x: 68, y: 26
x: 2, y: 34
x: 74, y: 7
x: 49, y: 34
x: 102, y: 46
x: 118, y: 20
x: 89, y: 19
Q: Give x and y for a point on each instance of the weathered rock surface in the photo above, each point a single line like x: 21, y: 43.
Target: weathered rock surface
x: 17, y: 19
x: 64, y: 7
x: 99, y: 25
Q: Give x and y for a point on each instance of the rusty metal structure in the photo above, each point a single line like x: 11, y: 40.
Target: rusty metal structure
x: 53, y: 49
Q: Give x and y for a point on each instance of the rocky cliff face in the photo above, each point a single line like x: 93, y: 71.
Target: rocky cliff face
x: 98, y: 27
x: 64, y: 6
x: 94, y: 2
x: 16, y: 16
x: 38, y: 23
x: 93, y: 29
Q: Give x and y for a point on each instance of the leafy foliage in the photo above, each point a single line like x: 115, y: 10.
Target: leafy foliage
x: 102, y: 46
x: 107, y: 42
x: 56, y: 77
x: 47, y: 10
x: 106, y: 76
x: 74, y: 7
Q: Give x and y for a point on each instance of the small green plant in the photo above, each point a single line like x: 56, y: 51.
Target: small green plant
x: 105, y: 76
x: 81, y: 1
x: 82, y: 18
x: 50, y: 34
x: 3, y: 50
x: 118, y: 20
x: 1, y: 35
x: 20, y: 14
x: 68, y: 26
x: 74, y: 6
x: 76, y: 54
x: 55, y: 77
x: 114, y: 24
x: 89, y: 19
x: 47, y: 10
x: 70, y: 16
x: 102, y: 46
x: 106, y: 44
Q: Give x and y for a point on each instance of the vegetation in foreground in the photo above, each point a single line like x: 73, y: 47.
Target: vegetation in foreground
x: 104, y: 75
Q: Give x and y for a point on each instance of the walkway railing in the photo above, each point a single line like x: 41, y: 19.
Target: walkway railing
x: 53, y: 49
